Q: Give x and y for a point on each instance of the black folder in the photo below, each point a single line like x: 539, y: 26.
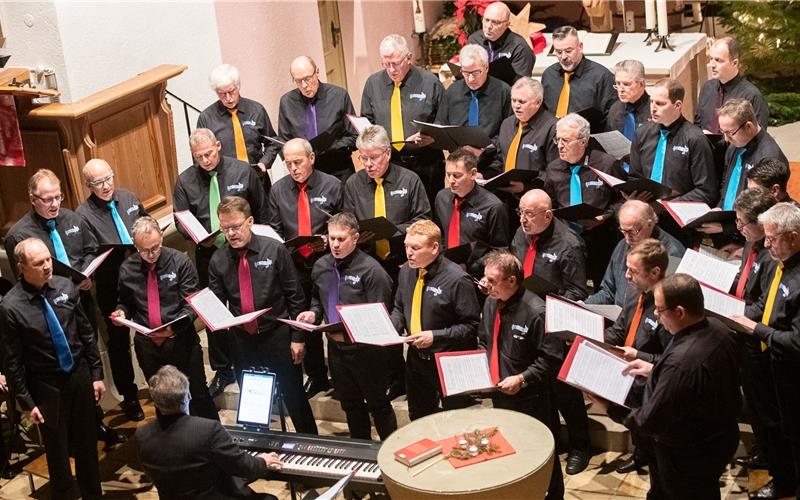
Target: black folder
x: 460, y: 254
x: 540, y: 286
x: 578, y: 212
x: 596, y: 119
x: 451, y: 137
x: 721, y: 216
x: 379, y: 226
x: 319, y: 144
x: 528, y: 177
x: 316, y: 241
x: 61, y: 269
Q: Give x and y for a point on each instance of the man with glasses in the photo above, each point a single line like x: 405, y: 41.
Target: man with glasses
x: 499, y: 41
x: 315, y: 107
x: 109, y: 213
x: 153, y: 285
x: 199, y: 189
x: 633, y: 108
x: 773, y: 318
x: 637, y: 222
x: 396, y: 96
x: 254, y: 272
x: 241, y: 125
x: 575, y: 83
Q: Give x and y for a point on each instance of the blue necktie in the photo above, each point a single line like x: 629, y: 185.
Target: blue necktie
x: 311, y: 121
x: 629, y: 131
x: 575, y: 195
x: 60, y: 344
x: 61, y: 252
x: 122, y: 231
x: 333, y: 295
x: 733, y: 182
x: 657, y: 173
x: 473, y: 109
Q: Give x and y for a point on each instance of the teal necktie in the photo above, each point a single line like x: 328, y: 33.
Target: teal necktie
x: 122, y: 231
x: 60, y: 344
x: 58, y: 245
x: 657, y: 173
x: 575, y: 195
x: 733, y: 182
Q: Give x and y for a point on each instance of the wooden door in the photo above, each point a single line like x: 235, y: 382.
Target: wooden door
x: 332, y: 42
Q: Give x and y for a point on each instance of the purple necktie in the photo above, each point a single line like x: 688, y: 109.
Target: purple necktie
x: 311, y: 121
x: 491, y: 50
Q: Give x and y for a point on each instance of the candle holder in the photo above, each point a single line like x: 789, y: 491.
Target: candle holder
x: 652, y: 35
x: 663, y: 43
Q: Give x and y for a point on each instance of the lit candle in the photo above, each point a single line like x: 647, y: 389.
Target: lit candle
x: 663, y: 20
x: 650, y: 14
x: 697, y: 12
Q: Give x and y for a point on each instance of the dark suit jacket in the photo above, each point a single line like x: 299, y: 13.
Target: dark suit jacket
x: 194, y: 458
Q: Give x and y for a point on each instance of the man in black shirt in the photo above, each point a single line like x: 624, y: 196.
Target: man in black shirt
x: 469, y: 214
x: 314, y: 108
x: 241, y: 125
x: 109, y: 213
x: 436, y: 305
x: 633, y: 108
x: 500, y: 42
x: 153, y: 285
x: 53, y: 365
x: 199, y: 189
x: 575, y: 83
x: 255, y: 272
x: 360, y: 372
x: 393, y: 98
x: 522, y: 359
x: 773, y: 175
x: 691, y: 402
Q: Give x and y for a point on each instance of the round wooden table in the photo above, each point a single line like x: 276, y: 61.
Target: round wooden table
x: 522, y: 475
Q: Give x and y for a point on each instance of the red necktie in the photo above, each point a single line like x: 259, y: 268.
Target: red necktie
x: 530, y: 257
x: 153, y: 303
x: 303, y: 218
x: 745, y: 274
x: 246, y: 291
x: 637, y: 318
x: 454, y: 229
x: 494, y: 361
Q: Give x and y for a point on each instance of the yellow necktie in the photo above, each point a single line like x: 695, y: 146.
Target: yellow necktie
x: 381, y: 246
x: 563, y: 99
x: 511, y: 157
x: 773, y: 291
x: 416, y: 303
x: 238, y: 136
x: 397, y: 119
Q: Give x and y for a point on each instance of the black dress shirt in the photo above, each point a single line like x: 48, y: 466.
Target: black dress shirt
x: 235, y: 178
x: 782, y: 335
x: 27, y: 345
x: 275, y: 285
x: 332, y: 104
x: 759, y: 273
x: 688, y: 160
x: 618, y: 113
x: 524, y: 348
x: 738, y: 87
x: 650, y: 339
x: 494, y: 105
x: 255, y: 124
x: 78, y: 239
x: 324, y: 199
x: 177, y: 279
x: 590, y: 86
x: 594, y: 191
x: 511, y: 46
x: 536, y: 147
x: 560, y: 258
x: 761, y: 146
x: 483, y: 220
x: 450, y: 307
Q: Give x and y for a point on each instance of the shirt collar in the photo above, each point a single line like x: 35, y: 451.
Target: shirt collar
x: 578, y: 71
x: 733, y: 82
x: 755, y: 141
x: 31, y: 292
x: 673, y: 127
x: 389, y: 177
x: 408, y: 80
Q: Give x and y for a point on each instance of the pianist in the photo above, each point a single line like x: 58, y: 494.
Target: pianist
x: 193, y: 457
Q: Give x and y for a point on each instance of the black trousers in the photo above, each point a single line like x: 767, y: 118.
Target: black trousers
x: 260, y: 351
x: 68, y: 406
x: 184, y: 353
x: 119, y: 338
x: 314, y: 360
x: 219, y: 342
x: 359, y: 377
x: 423, y: 390
x: 787, y: 387
x: 569, y: 401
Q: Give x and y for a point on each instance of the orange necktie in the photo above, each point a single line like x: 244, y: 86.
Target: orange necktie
x: 563, y: 99
x: 238, y: 136
x: 637, y: 318
x: 513, y: 149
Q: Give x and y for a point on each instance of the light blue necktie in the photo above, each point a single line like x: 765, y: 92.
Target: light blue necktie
x: 60, y: 344
x: 657, y: 173
x: 629, y: 131
x: 122, y: 231
x: 473, y: 110
x: 733, y: 182
x: 58, y: 245
x: 575, y: 195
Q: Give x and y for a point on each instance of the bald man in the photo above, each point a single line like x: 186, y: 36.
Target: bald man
x: 315, y: 107
x: 499, y: 41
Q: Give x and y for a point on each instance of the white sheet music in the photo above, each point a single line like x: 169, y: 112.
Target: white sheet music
x: 687, y: 211
x: 614, y: 143
x: 359, y: 122
x: 465, y: 372
x: 609, y: 311
x: 607, y: 178
x: 266, y: 230
x: 369, y: 324
x: 708, y: 270
x: 721, y: 303
x: 95, y: 263
x: 192, y: 226
x: 214, y: 313
x: 563, y: 316
x: 143, y: 329
x: 600, y: 372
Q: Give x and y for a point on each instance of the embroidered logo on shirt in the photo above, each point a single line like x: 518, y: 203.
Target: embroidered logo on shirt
x: 249, y: 123
x: 549, y: 257
x: 236, y: 187
x: 61, y: 298
x: 353, y: 280
x: 784, y: 290
x: 420, y: 97
x: 756, y: 267
x: 530, y: 147
x: 474, y: 216
x: 595, y: 184
x: 168, y: 277
x: 500, y: 55
x: 519, y: 328
x: 436, y: 291
x: 72, y: 230
x: 399, y: 192
x: 683, y: 150
x: 319, y: 200
x: 263, y: 264
x: 748, y: 166
x: 653, y: 324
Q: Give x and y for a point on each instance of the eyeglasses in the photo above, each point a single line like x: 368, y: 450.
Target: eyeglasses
x: 369, y: 160
x: 662, y: 310
x: 232, y: 229
x: 567, y: 142
x: 740, y: 224
x: 494, y: 22
x: 624, y: 85
x: 395, y: 65
x: 53, y: 200
x: 105, y: 180
x: 306, y: 80
x: 772, y: 239
x: 530, y: 214
x: 630, y: 232
x: 731, y: 134
x: 227, y: 92
x: 494, y: 282
x: 568, y: 52
x: 472, y: 74
x: 149, y: 251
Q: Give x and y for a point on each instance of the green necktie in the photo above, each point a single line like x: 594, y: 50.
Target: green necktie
x: 213, y: 201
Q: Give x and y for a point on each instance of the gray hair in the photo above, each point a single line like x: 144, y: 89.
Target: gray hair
x: 307, y: 149
x: 346, y: 220
x: 201, y: 135
x: 785, y: 216
x: 373, y: 136
x: 144, y: 225
x: 223, y: 76
x: 394, y: 43
x: 534, y: 86
x: 643, y: 211
x: 21, y: 249
x: 473, y: 53
x: 577, y: 122
x: 169, y: 389
x: 632, y: 66
x: 563, y: 32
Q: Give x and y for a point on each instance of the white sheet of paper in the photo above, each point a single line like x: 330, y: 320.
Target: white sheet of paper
x: 721, y: 303
x: 214, y: 313
x: 266, y: 230
x: 607, y: 178
x: 369, y: 324
x: 336, y: 488
x: 95, y: 263
x: 708, y: 270
x: 600, y: 372
x: 614, y: 143
x: 192, y: 225
x: 609, y: 311
x: 687, y: 211
x: 359, y: 122
x: 563, y: 316
x: 143, y: 329
x: 465, y: 372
